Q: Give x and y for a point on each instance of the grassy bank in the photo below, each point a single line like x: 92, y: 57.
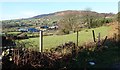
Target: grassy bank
x: 55, y: 40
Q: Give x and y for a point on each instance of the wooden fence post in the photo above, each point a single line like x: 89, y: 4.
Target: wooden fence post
x: 115, y: 36
x: 74, y: 51
x: 41, y: 42
x: 18, y: 56
x: 99, y: 39
x: 14, y: 55
x: 77, y: 37
x: 104, y: 40
x: 93, y: 35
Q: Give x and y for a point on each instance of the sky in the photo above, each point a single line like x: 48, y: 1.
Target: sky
x: 59, y: 0
x: 16, y: 10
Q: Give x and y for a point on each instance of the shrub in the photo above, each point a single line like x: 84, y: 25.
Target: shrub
x: 59, y: 32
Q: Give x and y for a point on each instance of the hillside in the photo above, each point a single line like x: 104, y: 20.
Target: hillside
x: 63, y: 13
x: 51, y: 18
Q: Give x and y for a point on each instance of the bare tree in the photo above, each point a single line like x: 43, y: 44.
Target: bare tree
x: 88, y: 17
x: 70, y: 22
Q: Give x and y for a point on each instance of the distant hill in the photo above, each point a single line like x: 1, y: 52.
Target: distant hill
x: 50, y: 18
x: 43, y: 15
x: 63, y: 13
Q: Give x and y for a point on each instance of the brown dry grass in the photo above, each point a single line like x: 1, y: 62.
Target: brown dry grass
x: 114, y: 29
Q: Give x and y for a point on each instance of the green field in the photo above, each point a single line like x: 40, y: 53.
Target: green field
x: 14, y: 33
x: 55, y: 40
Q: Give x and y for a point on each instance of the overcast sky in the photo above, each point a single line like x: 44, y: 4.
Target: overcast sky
x: 15, y: 10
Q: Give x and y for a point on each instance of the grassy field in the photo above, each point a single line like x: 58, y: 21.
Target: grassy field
x: 15, y: 33
x: 55, y: 40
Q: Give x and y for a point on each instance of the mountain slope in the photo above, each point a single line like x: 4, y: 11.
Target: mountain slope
x: 50, y: 18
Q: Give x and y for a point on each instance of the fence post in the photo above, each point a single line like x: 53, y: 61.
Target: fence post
x: 115, y: 36
x: 104, y: 40
x: 14, y: 55
x: 74, y: 51
x: 98, y: 37
x: 18, y: 55
x: 77, y: 37
x: 41, y: 42
x: 93, y: 35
